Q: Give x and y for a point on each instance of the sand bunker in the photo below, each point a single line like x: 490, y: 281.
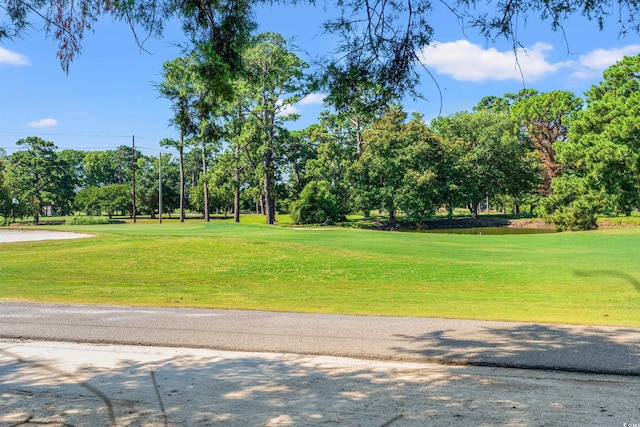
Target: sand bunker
x: 19, y: 235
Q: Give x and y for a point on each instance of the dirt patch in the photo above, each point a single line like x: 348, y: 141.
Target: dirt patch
x: 530, y: 223
x: 31, y: 224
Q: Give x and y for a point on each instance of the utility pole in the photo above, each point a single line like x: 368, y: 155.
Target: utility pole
x: 160, y: 186
x: 133, y: 176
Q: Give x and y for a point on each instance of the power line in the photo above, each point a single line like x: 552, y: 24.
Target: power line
x: 77, y: 135
x: 92, y: 147
x: 141, y: 148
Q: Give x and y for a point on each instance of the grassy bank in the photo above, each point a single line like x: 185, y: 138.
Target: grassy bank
x: 586, y: 278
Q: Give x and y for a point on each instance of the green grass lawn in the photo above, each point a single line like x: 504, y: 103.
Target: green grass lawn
x: 586, y: 278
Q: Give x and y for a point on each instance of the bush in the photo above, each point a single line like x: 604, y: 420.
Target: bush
x: 573, y: 206
x: 580, y: 215
x: 316, y: 205
x: 88, y: 220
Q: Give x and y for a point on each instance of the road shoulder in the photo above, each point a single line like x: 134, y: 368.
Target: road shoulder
x: 88, y: 384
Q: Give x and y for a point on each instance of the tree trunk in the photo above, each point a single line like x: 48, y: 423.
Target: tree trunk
x: 236, y: 186
x: 296, y: 174
x: 205, y: 184
x: 355, y: 121
x: 236, y: 204
x: 181, y: 161
x: 474, y: 207
x: 269, y: 203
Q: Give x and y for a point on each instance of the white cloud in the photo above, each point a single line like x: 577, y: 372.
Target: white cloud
x: 594, y: 63
x: 285, y: 110
x: 466, y: 61
x: 289, y: 109
x: 12, y: 58
x: 43, y: 123
x: 313, y: 99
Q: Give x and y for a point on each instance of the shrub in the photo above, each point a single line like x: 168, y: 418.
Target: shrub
x: 580, y: 215
x: 88, y: 220
x: 573, y: 206
x: 316, y: 205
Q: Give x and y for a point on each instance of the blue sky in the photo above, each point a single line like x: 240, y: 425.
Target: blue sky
x: 109, y: 93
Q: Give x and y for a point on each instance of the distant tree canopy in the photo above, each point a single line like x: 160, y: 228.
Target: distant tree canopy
x: 544, y: 118
x: 38, y: 176
x: 600, y: 158
x: 568, y: 163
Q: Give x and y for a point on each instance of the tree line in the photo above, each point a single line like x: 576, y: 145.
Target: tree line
x: 559, y: 156
x: 231, y: 93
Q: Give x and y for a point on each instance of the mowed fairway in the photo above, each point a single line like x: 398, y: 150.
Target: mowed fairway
x: 583, y: 278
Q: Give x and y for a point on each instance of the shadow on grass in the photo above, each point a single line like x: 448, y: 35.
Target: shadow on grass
x: 608, y: 274
x: 213, y: 388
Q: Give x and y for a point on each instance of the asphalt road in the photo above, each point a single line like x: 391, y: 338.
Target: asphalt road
x: 610, y: 350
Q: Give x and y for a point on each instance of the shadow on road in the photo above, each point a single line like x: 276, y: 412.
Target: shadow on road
x: 537, y: 346
x: 212, y: 388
